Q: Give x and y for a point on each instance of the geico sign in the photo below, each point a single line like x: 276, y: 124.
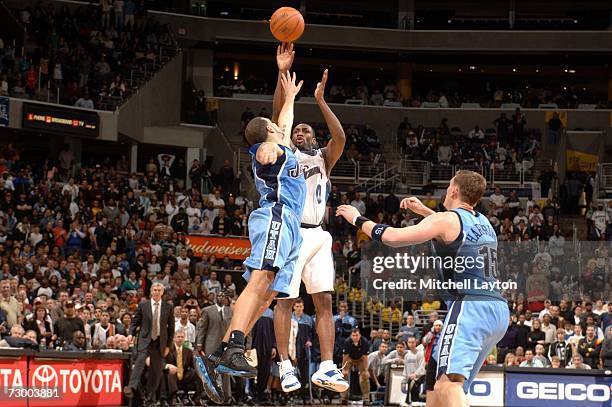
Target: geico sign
x: 562, y: 391
x: 77, y: 380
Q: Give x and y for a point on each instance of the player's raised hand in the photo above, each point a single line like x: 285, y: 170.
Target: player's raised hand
x: 284, y: 56
x: 348, y: 212
x: 267, y: 153
x: 320, y: 90
x: 414, y: 204
x: 290, y: 87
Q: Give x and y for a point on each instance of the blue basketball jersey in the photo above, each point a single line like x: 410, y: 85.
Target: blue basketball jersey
x: 475, y: 257
x: 281, y: 182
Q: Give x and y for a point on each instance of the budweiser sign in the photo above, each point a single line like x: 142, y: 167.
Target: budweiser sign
x: 235, y: 248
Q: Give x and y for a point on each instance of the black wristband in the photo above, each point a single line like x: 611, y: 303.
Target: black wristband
x: 360, y: 221
x: 378, y: 230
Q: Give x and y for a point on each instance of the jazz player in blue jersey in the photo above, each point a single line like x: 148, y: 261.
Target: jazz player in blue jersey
x: 477, y: 317
x: 274, y: 232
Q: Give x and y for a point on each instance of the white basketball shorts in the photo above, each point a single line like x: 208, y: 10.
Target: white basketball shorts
x: 315, y: 264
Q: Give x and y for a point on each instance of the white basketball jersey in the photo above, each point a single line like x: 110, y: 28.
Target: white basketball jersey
x: 312, y: 165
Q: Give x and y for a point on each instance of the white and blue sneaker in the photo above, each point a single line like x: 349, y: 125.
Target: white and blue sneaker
x: 331, y: 379
x: 289, y: 380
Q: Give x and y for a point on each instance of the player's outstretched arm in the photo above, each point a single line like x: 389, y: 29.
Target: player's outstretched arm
x: 285, y: 118
x: 335, y: 147
x: 444, y: 226
x: 284, y: 60
x: 267, y: 153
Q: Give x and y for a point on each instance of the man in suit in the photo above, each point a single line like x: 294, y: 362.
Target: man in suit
x: 213, y: 324
x: 180, y: 367
x: 156, y: 322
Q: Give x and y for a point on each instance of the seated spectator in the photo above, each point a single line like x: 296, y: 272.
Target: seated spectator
x: 77, y: 344
x: 414, y: 371
x: 510, y: 359
x: 180, y: 368
x: 606, y: 349
x: 85, y: 101
x: 14, y: 338
x: 375, y: 365
x: 530, y: 360
x: 540, y: 355
x: 577, y: 363
x: 396, y: 356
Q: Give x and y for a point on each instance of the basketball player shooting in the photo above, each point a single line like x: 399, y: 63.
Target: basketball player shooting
x: 477, y: 318
x: 274, y: 232
x: 315, y: 265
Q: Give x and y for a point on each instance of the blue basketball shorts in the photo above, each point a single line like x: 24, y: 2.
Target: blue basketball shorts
x: 471, y: 329
x: 275, y: 245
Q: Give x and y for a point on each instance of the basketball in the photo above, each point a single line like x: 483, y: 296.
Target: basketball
x: 287, y: 24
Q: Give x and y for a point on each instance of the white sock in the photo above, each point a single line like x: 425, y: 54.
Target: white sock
x: 327, y: 365
x: 286, y: 366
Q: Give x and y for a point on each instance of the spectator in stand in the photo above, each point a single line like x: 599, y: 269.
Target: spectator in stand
x: 410, y: 330
x: 550, y: 330
x: 530, y: 360
x: 510, y: 360
x: 577, y: 363
x: 555, y: 127
x: 102, y: 331
x: 9, y: 304
x: 188, y: 329
x: 77, y: 343
x: 560, y: 349
x: 540, y: 355
x: 226, y: 177
x: 359, y: 204
x: 589, y: 347
x: 344, y: 324
x: 65, y: 327
x: 396, y: 356
x: 497, y: 200
x: 476, y: 135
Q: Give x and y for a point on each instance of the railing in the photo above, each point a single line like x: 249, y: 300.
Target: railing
x: 415, y: 172
x: 605, y: 176
x: 346, y: 171
x: 373, y: 183
x: 440, y: 174
x: 517, y: 174
x: 49, y: 94
x: 418, y: 173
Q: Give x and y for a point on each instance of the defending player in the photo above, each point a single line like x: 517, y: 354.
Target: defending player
x: 477, y: 318
x: 315, y: 265
x: 274, y: 232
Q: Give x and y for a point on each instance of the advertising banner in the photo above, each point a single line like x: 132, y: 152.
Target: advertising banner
x: 487, y: 390
x: 236, y: 248
x: 55, y: 382
x: 4, y: 111
x: 60, y: 120
x: 13, y: 381
x: 541, y: 390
